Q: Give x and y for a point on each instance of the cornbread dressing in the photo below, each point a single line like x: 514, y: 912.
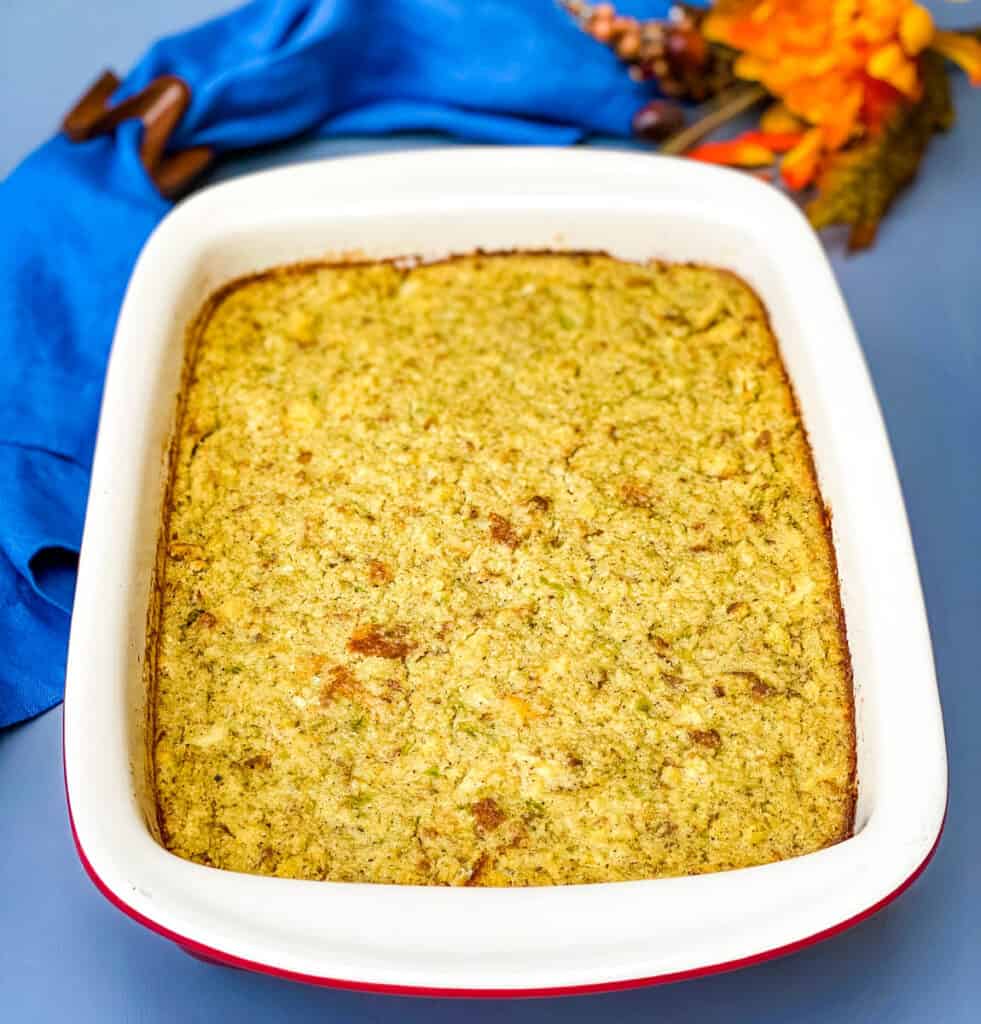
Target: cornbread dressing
x: 507, y: 570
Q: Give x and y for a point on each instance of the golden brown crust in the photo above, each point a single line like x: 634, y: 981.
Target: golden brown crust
x: 244, y: 782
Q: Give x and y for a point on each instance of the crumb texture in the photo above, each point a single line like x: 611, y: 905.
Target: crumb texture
x: 510, y: 570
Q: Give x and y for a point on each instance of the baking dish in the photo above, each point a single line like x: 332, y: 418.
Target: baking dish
x: 493, y: 941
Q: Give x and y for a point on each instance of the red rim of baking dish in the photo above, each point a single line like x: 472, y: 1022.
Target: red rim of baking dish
x: 217, y: 956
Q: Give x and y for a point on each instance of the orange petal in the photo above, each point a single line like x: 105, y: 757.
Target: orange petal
x: 842, y: 126
x: 776, y: 142
x: 873, y: 31
x: 779, y: 119
x: 965, y: 51
x: 800, y: 165
x: 885, y: 61
x: 717, y: 26
x: 734, y: 153
x: 907, y: 81
x: 843, y: 12
x: 749, y: 67
x: 915, y: 29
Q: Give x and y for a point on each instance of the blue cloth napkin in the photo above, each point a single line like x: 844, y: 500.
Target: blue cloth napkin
x: 74, y: 217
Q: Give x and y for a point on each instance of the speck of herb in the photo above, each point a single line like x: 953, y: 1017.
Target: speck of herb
x: 192, y: 617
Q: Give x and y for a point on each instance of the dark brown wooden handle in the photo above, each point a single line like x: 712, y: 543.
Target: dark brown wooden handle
x: 160, y: 106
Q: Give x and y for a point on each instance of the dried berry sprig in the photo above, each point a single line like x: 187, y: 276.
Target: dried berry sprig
x: 673, y: 53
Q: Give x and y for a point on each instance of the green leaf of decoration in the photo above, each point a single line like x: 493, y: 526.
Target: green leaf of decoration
x: 860, y: 183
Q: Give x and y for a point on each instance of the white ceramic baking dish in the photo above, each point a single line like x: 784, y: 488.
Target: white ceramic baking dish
x: 518, y: 941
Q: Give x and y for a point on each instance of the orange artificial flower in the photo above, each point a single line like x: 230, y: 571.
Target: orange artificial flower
x: 841, y: 66
x: 826, y: 61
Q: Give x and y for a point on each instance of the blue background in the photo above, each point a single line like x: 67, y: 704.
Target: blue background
x: 916, y: 301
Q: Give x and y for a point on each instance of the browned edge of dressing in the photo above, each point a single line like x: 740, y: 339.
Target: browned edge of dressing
x: 192, y: 339
x: 154, y: 626
x: 848, y: 825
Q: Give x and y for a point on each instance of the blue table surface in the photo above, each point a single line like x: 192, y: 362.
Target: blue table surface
x: 916, y: 301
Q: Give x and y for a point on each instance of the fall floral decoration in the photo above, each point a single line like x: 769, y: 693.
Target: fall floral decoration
x: 853, y: 91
